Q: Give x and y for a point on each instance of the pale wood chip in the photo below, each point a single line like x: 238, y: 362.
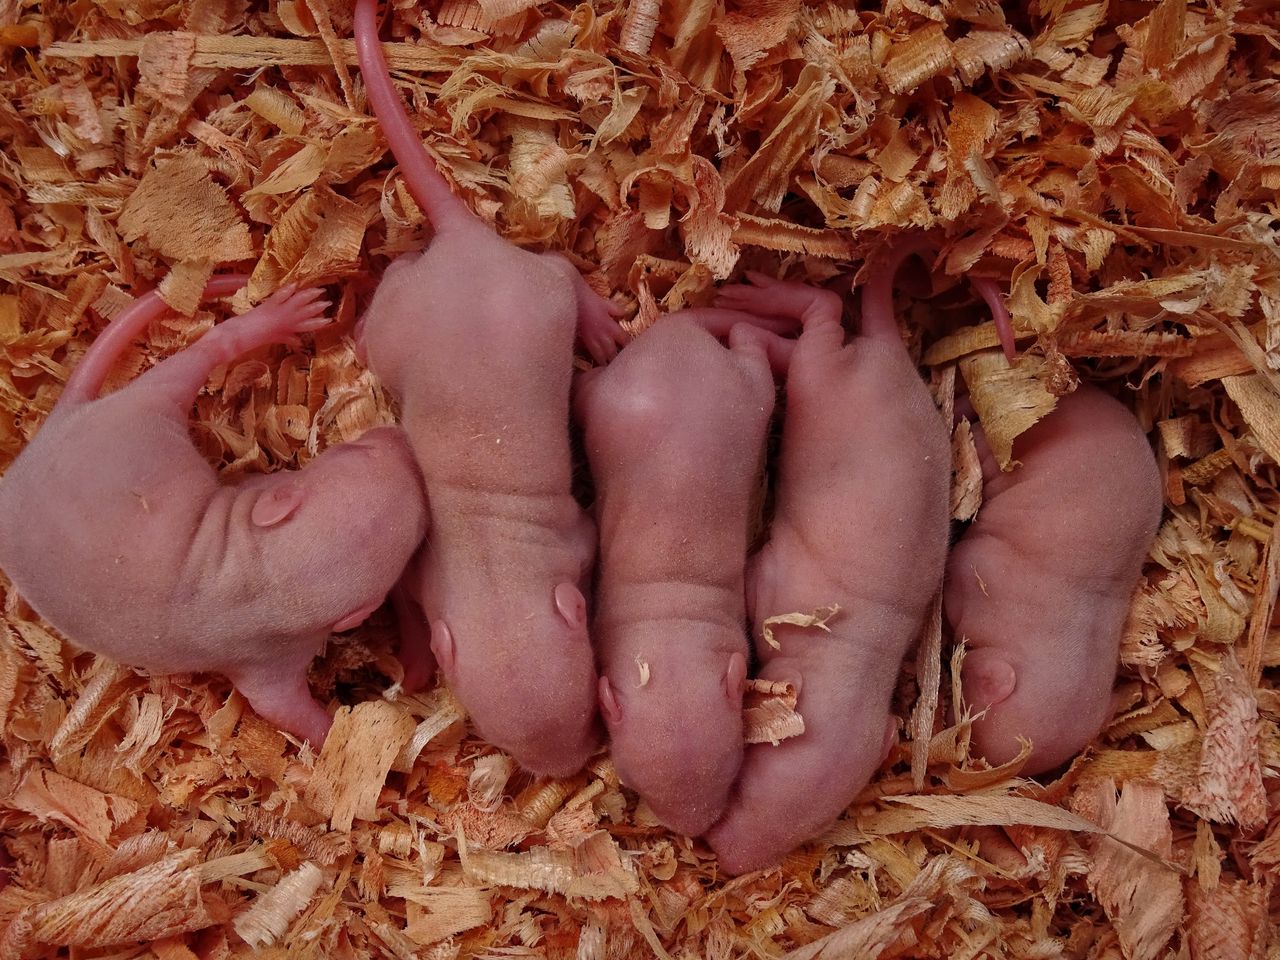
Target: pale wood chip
x: 769, y: 712
x: 355, y: 760
x: 1141, y: 897
x: 266, y: 921
x: 591, y: 869
x: 1008, y: 399
x: 49, y: 796
x: 1229, y: 787
x: 437, y: 913
x: 184, y: 215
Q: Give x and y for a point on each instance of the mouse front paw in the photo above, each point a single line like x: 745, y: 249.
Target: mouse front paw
x: 291, y: 311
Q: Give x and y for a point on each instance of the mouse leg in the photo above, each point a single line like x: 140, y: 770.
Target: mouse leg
x: 282, y: 697
x: 281, y: 316
x: 718, y: 321
x: 598, y: 328
x: 784, y: 300
x: 415, y: 638
x: 745, y: 339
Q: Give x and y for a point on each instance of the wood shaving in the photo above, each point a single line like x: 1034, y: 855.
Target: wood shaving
x: 817, y: 620
x: 1113, y: 168
x: 267, y: 920
x: 769, y: 711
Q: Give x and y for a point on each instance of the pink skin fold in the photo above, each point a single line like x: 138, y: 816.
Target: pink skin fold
x: 119, y: 534
x: 1039, y: 585
x: 674, y: 433
x: 475, y: 338
x: 861, y: 522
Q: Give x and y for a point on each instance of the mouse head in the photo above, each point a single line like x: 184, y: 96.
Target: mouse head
x: 521, y: 661
x: 340, y: 531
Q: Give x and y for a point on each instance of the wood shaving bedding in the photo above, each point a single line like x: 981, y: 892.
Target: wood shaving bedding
x: 1112, y: 166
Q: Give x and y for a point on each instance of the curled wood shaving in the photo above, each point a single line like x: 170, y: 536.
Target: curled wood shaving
x: 1229, y: 785
x: 818, y: 619
x: 159, y: 900
x: 267, y: 920
x: 1228, y: 922
x: 593, y: 868
x: 1008, y: 400
x: 769, y: 711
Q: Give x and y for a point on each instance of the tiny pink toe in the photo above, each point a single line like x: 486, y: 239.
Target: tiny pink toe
x: 571, y: 604
x: 609, y: 705
x: 735, y: 678
x: 443, y: 646
x: 988, y: 678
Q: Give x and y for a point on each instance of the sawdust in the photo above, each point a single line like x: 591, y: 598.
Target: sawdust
x: 1112, y: 166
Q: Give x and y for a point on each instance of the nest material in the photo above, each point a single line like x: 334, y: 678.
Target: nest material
x: 1114, y: 164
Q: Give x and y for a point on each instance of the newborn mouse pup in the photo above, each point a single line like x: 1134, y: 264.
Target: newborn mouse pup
x: 675, y: 432
x: 475, y: 338
x: 119, y: 534
x: 860, y: 523
x: 1039, y: 585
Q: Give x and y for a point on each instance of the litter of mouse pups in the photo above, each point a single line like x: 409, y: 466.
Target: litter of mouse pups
x: 1112, y: 165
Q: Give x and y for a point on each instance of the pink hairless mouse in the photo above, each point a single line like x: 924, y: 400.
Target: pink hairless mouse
x: 1039, y: 585
x: 475, y: 337
x: 675, y: 432
x: 860, y: 524
x: 115, y: 529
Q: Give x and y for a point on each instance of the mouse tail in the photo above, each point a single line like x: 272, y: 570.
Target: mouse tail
x: 425, y: 181
x: 987, y: 289
x: 877, y: 297
x: 91, y: 372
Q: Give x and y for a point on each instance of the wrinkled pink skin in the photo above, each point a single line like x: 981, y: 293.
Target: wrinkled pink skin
x: 1039, y: 586
x: 116, y: 530
x: 675, y: 433
x: 475, y: 337
x: 860, y: 521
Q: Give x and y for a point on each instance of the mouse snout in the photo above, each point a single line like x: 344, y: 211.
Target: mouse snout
x: 674, y: 713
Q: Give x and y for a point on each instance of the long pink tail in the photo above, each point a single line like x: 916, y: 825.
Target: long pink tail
x: 877, y: 298
x: 89, y: 375
x: 989, y: 292
x: 428, y: 186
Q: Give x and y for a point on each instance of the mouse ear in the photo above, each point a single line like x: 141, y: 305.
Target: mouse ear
x: 277, y: 503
